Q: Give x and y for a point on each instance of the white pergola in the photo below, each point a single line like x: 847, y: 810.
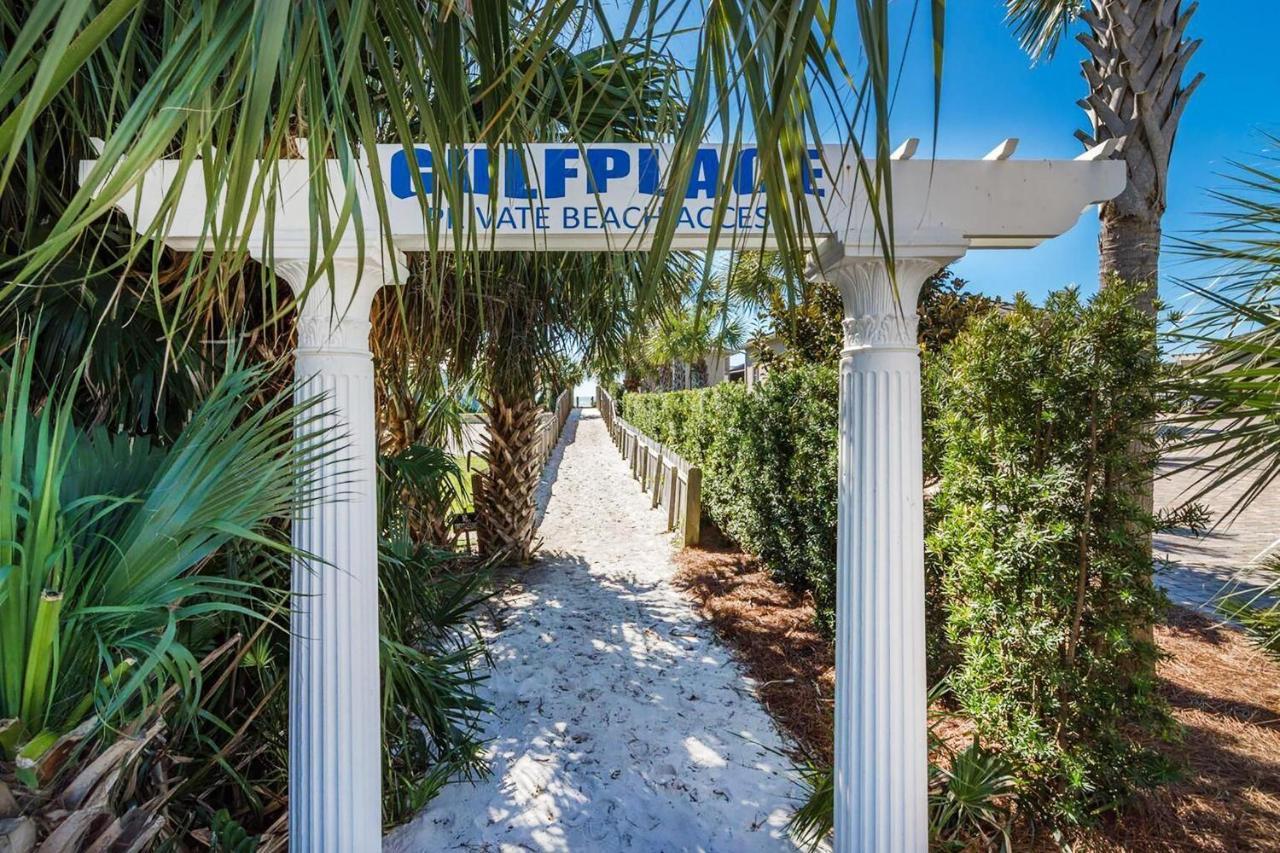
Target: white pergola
x: 601, y: 198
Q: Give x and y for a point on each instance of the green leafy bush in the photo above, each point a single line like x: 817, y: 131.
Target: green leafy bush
x: 1042, y: 552
x: 769, y: 467
x: 144, y: 586
x: 431, y: 651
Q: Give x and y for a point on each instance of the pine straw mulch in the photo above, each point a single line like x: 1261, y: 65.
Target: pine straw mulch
x: 1224, y: 693
x: 772, y: 631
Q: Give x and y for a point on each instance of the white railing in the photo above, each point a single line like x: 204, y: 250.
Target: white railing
x: 670, y: 480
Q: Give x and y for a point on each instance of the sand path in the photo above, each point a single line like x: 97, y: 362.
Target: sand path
x: 620, y: 722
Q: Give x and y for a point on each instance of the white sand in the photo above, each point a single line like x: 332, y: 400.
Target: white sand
x: 620, y: 722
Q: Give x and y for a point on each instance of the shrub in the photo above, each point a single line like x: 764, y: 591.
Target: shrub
x: 144, y: 589
x: 769, y: 467
x: 1042, y: 551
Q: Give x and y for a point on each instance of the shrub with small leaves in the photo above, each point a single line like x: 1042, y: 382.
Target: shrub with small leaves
x: 1042, y: 551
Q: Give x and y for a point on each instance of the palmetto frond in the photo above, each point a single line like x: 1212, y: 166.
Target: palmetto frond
x: 103, y: 539
x: 218, y: 86
x: 1040, y: 25
x: 1233, y: 384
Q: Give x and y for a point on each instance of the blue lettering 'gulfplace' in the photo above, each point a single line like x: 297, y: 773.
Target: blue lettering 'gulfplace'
x: 559, y: 171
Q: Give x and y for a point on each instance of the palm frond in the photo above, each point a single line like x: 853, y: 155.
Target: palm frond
x: 1041, y: 25
x: 1230, y: 384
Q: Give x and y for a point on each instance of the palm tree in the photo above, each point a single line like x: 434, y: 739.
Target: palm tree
x: 1137, y: 54
x: 1233, y: 383
x: 217, y: 87
x: 686, y: 334
x: 533, y: 310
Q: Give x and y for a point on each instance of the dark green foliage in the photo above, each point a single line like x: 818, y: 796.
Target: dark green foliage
x: 1040, y: 550
x: 1257, y: 609
x: 170, y: 563
x: 107, y: 543
x: 810, y: 330
x: 812, y: 333
x: 228, y: 836
x: 969, y: 794
x: 968, y: 800
x: 945, y: 309
x: 769, y: 467
x: 815, y: 819
x: 430, y: 646
x: 430, y: 654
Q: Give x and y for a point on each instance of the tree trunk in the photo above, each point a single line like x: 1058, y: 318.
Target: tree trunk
x: 664, y: 377
x: 698, y: 374
x: 1129, y: 250
x: 504, y: 494
x: 1137, y: 53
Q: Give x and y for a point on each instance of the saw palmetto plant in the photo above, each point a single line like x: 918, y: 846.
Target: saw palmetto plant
x: 110, y: 575
x: 1232, y: 333
x: 1231, y: 378
x: 218, y: 86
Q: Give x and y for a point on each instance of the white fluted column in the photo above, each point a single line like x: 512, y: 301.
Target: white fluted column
x: 881, y: 753
x: 335, y: 732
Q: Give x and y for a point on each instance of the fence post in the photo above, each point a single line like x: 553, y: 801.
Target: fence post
x: 657, y: 479
x: 673, y: 489
x: 693, y: 506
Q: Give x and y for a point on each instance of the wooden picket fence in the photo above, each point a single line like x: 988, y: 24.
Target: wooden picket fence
x: 604, y: 402
x: 671, y: 481
x: 552, y: 425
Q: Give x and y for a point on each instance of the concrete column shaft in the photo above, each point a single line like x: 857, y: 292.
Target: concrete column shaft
x: 881, y: 755
x: 335, y: 733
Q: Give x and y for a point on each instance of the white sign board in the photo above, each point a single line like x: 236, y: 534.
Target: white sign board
x: 606, y: 196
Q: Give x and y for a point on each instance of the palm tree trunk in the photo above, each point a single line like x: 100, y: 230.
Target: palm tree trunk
x: 698, y: 374
x: 1129, y: 250
x: 504, y: 493
x: 1137, y: 54
x: 1136, y: 58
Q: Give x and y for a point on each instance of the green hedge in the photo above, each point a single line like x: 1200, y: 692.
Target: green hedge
x: 769, y: 467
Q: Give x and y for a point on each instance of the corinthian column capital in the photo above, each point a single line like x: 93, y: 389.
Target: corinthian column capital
x: 334, y: 300
x: 879, y: 309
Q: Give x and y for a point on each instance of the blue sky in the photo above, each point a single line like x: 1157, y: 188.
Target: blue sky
x: 991, y: 91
